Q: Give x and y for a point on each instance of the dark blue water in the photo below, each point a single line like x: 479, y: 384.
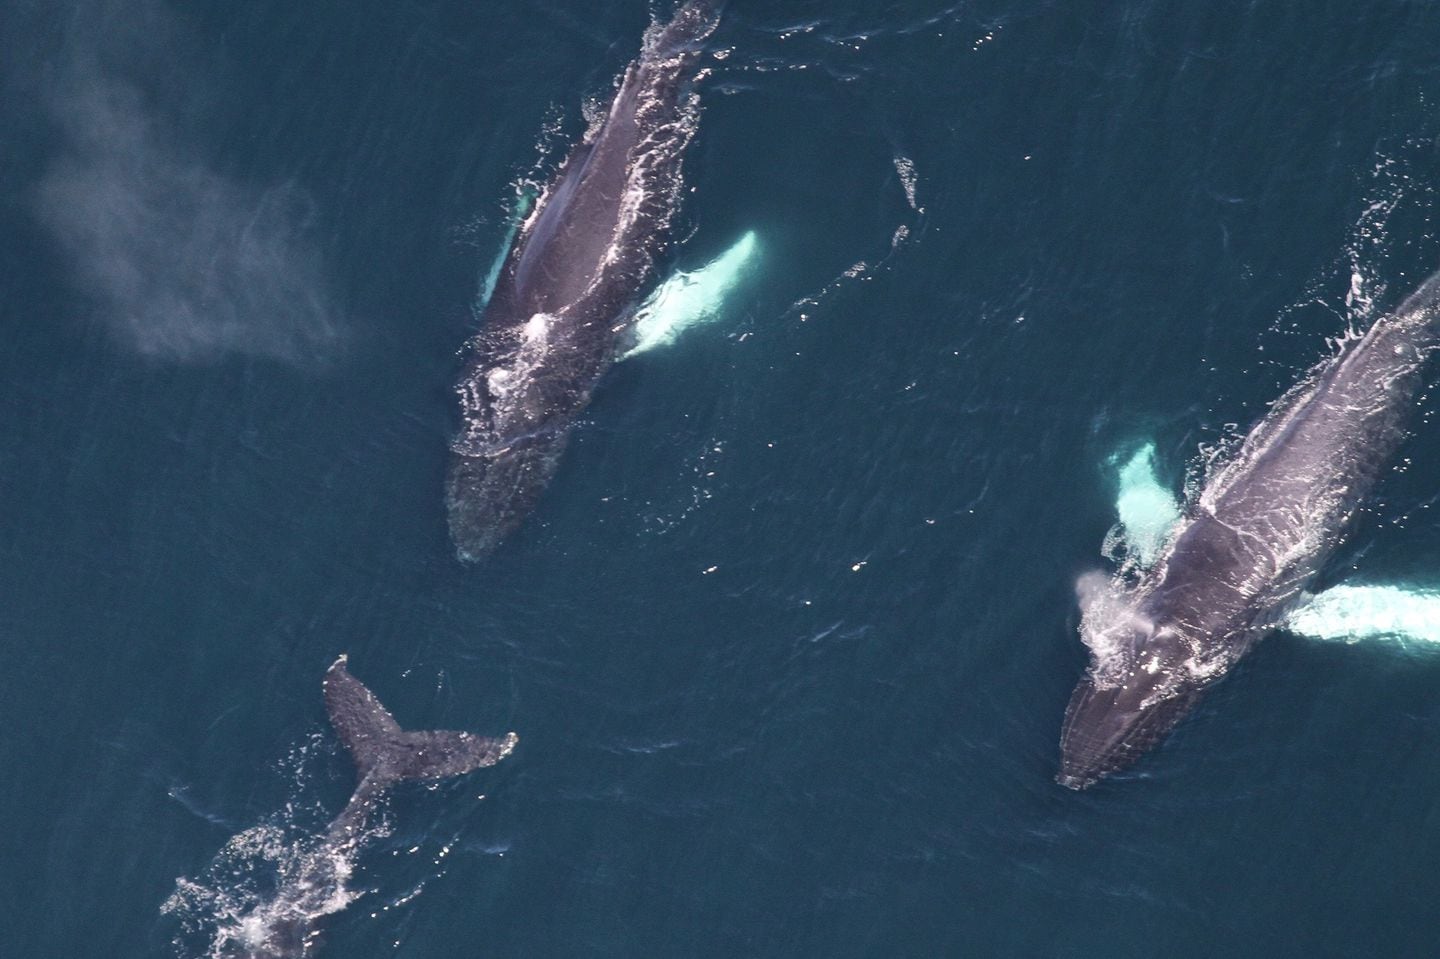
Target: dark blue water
x: 789, y: 640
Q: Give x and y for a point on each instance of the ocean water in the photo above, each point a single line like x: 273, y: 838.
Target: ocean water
x: 789, y: 639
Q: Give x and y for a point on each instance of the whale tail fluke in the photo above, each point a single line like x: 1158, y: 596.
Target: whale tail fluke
x: 384, y: 753
x: 442, y: 753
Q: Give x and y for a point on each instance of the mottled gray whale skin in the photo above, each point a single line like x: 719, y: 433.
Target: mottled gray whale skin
x: 1263, y: 525
x: 384, y: 754
x: 562, y: 303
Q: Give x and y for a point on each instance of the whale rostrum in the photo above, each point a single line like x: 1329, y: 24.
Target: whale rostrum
x: 1263, y: 525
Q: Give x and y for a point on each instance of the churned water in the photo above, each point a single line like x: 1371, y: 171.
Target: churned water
x: 790, y: 636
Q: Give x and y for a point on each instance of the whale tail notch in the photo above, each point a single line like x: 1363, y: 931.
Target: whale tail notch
x: 385, y: 753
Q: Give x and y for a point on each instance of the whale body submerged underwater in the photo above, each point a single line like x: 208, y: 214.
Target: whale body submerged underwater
x: 563, y: 302
x: 1239, y: 561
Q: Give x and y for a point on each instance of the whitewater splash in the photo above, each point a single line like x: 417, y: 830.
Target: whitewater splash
x: 263, y: 894
x: 689, y: 299
x: 1147, y: 512
x: 267, y: 887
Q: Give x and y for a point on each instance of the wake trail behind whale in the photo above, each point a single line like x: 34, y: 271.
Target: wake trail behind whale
x: 689, y: 299
x: 1148, y: 511
x: 274, y: 875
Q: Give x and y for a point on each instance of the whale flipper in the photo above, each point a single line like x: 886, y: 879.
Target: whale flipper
x: 384, y: 753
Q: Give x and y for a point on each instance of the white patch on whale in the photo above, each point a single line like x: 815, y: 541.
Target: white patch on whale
x: 690, y: 299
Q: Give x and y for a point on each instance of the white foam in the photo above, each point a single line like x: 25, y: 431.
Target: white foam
x: 689, y: 299
x: 537, y: 329
x: 271, y: 879
x: 905, y: 167
x: 265, y: 879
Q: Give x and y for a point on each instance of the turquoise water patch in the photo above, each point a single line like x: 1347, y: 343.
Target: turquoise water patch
x: 1354, y: 613
x: 1146, y: 509
x: 689, y: 299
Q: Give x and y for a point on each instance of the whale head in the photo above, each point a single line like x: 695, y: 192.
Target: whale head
x: 1127, y: 703
x: 1107, y: 729
x: 489, y: 493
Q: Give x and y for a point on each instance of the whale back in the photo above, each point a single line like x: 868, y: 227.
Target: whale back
x: 603, y: 202
x: 1264, y: 524
x: 565, y: 296
x: 1303, y: 470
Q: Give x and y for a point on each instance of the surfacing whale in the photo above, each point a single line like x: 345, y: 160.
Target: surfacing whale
x: 287, y: 926
x: 1239, y: 561
x: 561, y: 306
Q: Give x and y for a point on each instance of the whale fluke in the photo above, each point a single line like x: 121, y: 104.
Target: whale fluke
x: 312, y: 872
x: 384, y: 753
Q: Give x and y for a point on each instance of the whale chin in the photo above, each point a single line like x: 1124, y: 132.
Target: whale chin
x: 1108, y: 728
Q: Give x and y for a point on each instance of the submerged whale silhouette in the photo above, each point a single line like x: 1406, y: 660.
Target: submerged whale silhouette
x: 562, y: 303
x: 1238, y: 563
x: 287, y: 926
